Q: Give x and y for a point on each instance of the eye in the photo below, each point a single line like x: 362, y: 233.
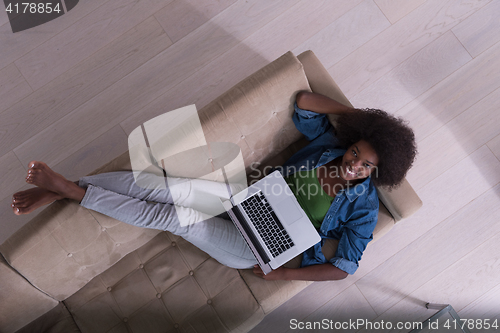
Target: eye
x: 354, y: 153
x: 368, y: 166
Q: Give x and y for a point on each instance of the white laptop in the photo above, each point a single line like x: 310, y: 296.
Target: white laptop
x: 271, y: 221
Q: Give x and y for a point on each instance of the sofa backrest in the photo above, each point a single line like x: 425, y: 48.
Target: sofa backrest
x: 256, y: 114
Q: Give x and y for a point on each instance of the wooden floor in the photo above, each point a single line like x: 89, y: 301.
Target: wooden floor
x: 73, y: 88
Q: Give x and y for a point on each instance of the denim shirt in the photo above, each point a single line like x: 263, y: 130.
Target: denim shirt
x: 353, y: 214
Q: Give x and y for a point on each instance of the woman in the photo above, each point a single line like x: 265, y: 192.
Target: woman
x: 344, y: 205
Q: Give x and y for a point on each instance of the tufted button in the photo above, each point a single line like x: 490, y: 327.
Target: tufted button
x: 109, y: 288
x: 125, y: 320
x: 209, y: 302
x: 211, y: 159
x: 176, y: 325
x: 174, y: 244
x: 118, y: 244
x: 158, y: 295
x: 141, y: 266
x: 70, y: 254
x: 191, y: 273
x: 103, y: 229
x: 242, y: 136
x: 275, y: 113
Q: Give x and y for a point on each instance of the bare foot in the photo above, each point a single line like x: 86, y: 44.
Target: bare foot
x: 41, y: 175
x: 25, y: 202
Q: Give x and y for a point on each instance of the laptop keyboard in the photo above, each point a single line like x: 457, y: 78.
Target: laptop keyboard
x: 267, y: 224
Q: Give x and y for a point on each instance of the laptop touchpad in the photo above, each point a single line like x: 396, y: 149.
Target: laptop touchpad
x: 287, y: 211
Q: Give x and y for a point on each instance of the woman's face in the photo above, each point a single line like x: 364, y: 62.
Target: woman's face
x: 359, y: 161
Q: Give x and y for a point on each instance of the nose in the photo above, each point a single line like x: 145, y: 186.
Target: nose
x: 356, y: 163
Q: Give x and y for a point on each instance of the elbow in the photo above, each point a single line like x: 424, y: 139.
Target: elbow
x: 339, y: 274
x: 301, y: 99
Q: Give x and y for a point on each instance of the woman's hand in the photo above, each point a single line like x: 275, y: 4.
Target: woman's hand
x: 277, y: 274
x: 322, y: 272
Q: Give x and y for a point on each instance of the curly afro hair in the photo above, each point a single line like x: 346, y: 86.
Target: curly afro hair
x: 391, y: 138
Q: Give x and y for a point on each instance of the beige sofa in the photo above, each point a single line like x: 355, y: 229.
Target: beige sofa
x: 74, y: 270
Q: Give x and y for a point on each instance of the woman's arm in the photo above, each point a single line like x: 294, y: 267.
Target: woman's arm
x: 323, y: 272
x: 319, y: 103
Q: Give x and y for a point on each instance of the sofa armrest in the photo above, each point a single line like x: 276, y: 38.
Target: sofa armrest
x: 401, y: 202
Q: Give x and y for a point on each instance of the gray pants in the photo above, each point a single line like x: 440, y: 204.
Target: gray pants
x: 117, y: 195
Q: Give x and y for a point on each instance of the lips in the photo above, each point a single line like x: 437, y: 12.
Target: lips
x: 350, y: 172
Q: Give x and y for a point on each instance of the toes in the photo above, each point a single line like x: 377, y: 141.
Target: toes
x: 32, y: 175
x: 30, y: 179
x: 17, y: 211
x: 20, y: 204
x: 21, y: 211
x: 36, y: 165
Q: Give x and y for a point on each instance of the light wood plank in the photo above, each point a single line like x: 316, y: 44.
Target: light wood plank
x: 351, y: 30
x: 84, y: 38
x: 11, y: 222
x: 106, y: 147
x: 485, y: 307
x: 494, y: 145
x: 150, y: 81
x: 82, y: 82
x: 4, y: 18
x: 481, y: 30
x: 98, y: 152
x: 398, y: 42
x: 452, y: 96
x: 394, y: 10
x: 415, y: 75
x: 433, y: 253
x: 301, y: 305
x: 287, y: 30
x: 410, y: 311
x: 15, y: 45
x: 13, y: 174
x: 180, y: 17
x: 13, y: 87
x: 456, y: 140
x: 475, y: 274
x: 349, y: 305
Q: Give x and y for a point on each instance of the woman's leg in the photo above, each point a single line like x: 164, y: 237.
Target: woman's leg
x: 216, y: 236
x: 201, y: 195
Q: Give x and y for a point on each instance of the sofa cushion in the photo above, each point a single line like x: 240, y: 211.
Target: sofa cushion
x: 57, y: 320
x: 21, y: 302
x: 164, y: 285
